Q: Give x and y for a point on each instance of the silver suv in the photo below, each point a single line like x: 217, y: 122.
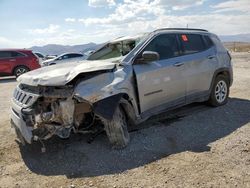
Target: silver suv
x: 121, y: 84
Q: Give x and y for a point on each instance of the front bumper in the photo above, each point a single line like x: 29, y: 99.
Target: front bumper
x: 18, y: 122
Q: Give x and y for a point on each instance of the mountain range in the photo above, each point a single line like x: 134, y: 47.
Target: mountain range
x: 56, y: 49
x: 235, y: 38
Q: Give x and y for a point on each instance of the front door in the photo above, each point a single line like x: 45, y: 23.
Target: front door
x: 161, y: 83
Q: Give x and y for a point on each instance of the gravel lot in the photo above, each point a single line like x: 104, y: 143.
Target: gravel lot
x: 196, y: 146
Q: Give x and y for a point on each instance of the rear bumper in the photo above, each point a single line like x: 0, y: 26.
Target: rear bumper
x: 18, y: 122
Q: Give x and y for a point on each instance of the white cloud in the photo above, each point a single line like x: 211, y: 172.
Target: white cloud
x: 70, y: 20
x: 179, y: 5
x: 133, y: 16
x: 216, y: 23
x: 69, y: 36
x: 101, y: 3
x: 131, y: 10
x: 48, y: 30
x: 234, y: 5
x: 136, y: 16
x: 6, y: 43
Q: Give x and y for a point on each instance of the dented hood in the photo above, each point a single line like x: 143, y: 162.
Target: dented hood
x: 61, y: 74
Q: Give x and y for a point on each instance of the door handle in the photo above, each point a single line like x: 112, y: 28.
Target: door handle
x: 211, y: 57
x: 178, y: 64
x: 12, y: 60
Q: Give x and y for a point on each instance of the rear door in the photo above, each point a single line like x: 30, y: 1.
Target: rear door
x: 6, y: 62
x: 18, y: 58
x: 200, y: 64
x: 161, y: 83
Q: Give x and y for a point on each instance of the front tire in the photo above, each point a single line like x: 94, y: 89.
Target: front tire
x: 117, y: 129
x: 220, y: 91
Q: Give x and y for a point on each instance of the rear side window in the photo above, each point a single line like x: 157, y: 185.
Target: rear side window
x: 5, y: 54
x: 17, y: 54
x: 165, y: 45
x: 75, y: 55
x: 192, y: 43
x: 63, y: 57
x: 39, y: 55
x: 10, y: 54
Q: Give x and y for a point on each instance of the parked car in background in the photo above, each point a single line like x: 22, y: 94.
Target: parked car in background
x: 64, y: 58
x: 50, y: 56
x: 17, y: 61
x: 40, y: 56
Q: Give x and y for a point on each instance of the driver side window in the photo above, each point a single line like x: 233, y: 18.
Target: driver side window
x: 165, y: 45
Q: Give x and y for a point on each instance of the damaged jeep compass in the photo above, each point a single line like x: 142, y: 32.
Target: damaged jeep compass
x: 121, y: 84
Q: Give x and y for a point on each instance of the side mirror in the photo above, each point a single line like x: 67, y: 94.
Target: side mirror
x: 149, y: 56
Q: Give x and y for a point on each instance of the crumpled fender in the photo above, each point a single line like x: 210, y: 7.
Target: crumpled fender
x: 104, y: 92
x: 100, y: 87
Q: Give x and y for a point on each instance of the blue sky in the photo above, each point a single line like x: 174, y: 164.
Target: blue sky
x: 40, y: 22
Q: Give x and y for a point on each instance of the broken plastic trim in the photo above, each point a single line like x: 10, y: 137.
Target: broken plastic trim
x: 105, y: 108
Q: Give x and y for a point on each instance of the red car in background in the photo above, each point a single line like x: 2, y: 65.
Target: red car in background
x: 17, y: 61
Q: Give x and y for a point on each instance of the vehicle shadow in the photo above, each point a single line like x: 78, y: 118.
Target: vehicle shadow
x: 8, y: 79
x: 191, y: 128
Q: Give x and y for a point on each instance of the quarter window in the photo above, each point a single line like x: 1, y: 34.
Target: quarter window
x: 165, y: 45
x: 192, y: 43
x: 208, y: 41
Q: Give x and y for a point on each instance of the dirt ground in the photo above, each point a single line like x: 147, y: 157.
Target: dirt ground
x: 195, y: 146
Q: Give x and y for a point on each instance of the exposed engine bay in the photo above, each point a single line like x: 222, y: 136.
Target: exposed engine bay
x: 56, y: 112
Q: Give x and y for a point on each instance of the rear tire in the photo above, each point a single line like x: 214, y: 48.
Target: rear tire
x: 220, y: 91
x: 20, y: 70
x: 117, y: 129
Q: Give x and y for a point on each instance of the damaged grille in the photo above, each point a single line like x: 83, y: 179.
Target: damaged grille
x: 24, y: 98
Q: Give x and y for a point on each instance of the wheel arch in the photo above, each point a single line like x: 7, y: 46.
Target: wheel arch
x: 224, y: 72
x: 111, y: 103
x: 15, y: 67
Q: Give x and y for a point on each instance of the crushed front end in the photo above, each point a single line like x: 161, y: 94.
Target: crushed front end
x: 39, y: 112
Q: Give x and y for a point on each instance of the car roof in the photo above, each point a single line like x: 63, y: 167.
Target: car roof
x: 15, y: 49
x: 181, y: 30
x: 70, y: 53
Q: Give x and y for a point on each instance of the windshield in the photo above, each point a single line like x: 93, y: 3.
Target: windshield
x: 117, y: 48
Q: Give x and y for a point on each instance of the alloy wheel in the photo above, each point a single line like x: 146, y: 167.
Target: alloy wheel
x: 221, y: 91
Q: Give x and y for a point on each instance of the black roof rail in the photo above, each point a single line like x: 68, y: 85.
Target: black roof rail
x: 191, y: 29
